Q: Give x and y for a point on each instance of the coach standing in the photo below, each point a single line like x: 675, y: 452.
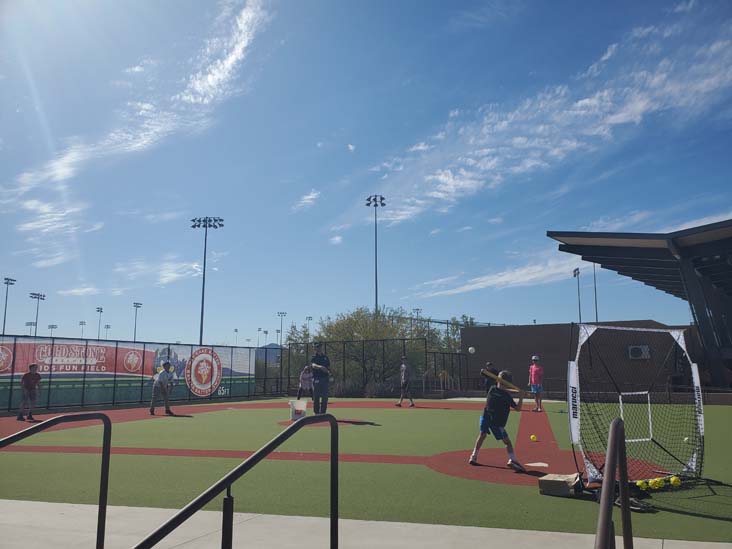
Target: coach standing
x: 321, y: 379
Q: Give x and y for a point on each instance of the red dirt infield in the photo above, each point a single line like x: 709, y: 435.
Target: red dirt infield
x: 492, y: 461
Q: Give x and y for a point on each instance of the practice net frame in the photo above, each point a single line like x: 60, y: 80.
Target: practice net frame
x: 645, y: 377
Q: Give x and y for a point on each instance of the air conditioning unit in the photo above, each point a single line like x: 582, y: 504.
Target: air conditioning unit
x: 639, y: 352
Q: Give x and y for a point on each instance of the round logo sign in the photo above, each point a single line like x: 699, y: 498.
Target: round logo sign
x: 132, y: 361
x: 203, y: 372
x: 6, y: 358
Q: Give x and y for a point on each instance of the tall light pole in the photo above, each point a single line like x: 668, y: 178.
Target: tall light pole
x: 236, y: 337
x: 136, y: 305
x: 308, y: 319
x: 594, y: 279
x: 265, y: 332
x: 376, y: 200
x: 30, y: 327
x: 279, y: 336
x: 259, y: 330
x: 417, y: 311
x: 8, y: 282
x: 576, y: 274
x: 38, y: 297
x: 82, y: 323
x: 52, y: 327
x: 282, y: 315
x: 106, y: 330
x: 206, y: 223
x: 100, y: 310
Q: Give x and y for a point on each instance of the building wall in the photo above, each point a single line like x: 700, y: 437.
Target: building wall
x: 511, y: 348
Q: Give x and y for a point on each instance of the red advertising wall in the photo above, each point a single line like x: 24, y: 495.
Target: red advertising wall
x: 72, y: 358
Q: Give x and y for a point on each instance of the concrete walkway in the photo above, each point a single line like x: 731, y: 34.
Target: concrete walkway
x: 33, y: 525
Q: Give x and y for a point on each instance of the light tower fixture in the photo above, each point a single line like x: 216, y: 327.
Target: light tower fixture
x: 205, y: 223
x: 82, y: 323
x: 282, y: 315
x: 376, y: 201
x: 30, y: 326
x: 137, y: 306
x: 38, y: 297
x: 52, y: 327
x: 8, y: 282
x: 107, y: 327
x: 100, y: 310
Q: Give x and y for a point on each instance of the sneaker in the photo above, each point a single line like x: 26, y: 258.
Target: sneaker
x: 516, y: 466
x: 398, y: 405
x: 473, y: 460
x: 169, y: 413
x: 411, y: 405
x: 152, y: 412
x: 20, y: 417
x: 31, y: 418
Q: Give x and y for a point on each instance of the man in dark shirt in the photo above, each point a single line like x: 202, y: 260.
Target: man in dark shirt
x: 29, y: 384
x: 321, y: 377
x: 404, y: 378
x: 494, y: 418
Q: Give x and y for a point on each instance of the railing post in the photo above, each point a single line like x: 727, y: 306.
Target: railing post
x: 624, y: 490
x: 227, y: 528
x: 104, y: 482
x: 333, y: 484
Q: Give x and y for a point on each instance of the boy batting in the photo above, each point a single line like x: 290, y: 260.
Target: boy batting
x: 494, y: 418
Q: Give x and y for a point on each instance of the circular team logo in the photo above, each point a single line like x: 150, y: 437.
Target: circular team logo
x: 132, y: 361
x: 6, y: 358
x: 203, y: 372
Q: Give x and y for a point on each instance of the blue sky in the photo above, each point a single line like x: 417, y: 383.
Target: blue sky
x: 484, y: 124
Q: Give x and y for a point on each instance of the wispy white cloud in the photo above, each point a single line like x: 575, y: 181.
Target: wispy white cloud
x: 419, y: 147
x: 337, y: 239
x: 683, y: 7
x: 464, y: 229
x: 306, y: 201
x: 222, y: 56
x: 166, y: 271
x: 351, y: 147
x: 436, y: 282
x: 339, y: 228
x: 495, y: 220
x: 551, y: 267
x: 435, y: 231
x: 162, y: 217
x: 80, y: 291
x: 714, y: 218
x: 609, y: 224
x: 662, y: 69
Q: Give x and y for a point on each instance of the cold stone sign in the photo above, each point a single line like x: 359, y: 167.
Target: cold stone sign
x: 203, y: 372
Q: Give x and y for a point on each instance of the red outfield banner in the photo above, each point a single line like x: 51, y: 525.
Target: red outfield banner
x: 71, y: 358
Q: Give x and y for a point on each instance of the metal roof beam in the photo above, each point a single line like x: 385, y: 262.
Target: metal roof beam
x: 618, y: 252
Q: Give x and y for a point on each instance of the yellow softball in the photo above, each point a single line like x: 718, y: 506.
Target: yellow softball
x: 642, y: 484
x: 533, y: 438
x: 675, y: 481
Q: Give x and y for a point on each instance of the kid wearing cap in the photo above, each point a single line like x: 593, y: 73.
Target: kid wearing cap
x: 494, y: 418
x: 536, y: 377
x: 29, y: 383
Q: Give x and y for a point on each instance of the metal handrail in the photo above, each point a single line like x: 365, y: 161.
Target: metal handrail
x: 106, y: 450
x: 227, y: 480
x: 615, y: 458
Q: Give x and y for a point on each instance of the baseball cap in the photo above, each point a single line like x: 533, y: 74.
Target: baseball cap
x: 535, y: 357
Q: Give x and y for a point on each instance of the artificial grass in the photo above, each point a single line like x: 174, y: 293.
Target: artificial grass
x: 410, y: 493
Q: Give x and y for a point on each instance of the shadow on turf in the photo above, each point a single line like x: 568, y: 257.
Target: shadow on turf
x: 359, y: 422
x: 536, y: 474
x: 704, y: 498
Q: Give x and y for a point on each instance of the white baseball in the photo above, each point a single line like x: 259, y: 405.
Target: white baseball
x: 471, y: 350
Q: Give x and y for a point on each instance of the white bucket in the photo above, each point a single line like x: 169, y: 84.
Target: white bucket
x: 298, y: 409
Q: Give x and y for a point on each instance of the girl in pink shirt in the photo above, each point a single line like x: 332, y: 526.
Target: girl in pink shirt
x: 536, y: 377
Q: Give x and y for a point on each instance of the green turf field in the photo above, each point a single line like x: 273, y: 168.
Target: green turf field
x: 369, y: 491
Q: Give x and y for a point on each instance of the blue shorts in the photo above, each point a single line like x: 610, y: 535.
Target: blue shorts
x: 498, y: 432
x: 537, y: 388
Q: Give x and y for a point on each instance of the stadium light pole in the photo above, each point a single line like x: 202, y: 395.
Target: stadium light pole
x: 265, y: 332
x: 136, y: 305
x: 279, y: 336
x: 82, y: 323
x: 259, y: 331
x: 206, y: 223
x: 236, y: 337
x: 376, y: 200
x: 594, y: 279
x: 30, y: 327
x: 8, y: 282
x: 106, y: 330
x: 576, y: 274
x: 100, y: 310
x: 52, y: 327
x: 38, y: 297
x: 282, y: 315
x: 308, y: 319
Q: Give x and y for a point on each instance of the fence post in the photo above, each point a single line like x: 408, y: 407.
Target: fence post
x: 343, y: 379
x: 114, y: 379
x: 12, y: 378
x: 83, y: 378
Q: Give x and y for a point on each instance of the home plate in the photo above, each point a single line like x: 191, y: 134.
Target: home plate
x: 538, y: 464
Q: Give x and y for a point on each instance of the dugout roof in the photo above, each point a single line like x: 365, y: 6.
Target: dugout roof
x: 653, y: 258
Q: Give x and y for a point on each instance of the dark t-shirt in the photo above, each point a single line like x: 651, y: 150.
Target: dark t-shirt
x: 497, y: 406
x: 30, y: 381
x: 320, y: 360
